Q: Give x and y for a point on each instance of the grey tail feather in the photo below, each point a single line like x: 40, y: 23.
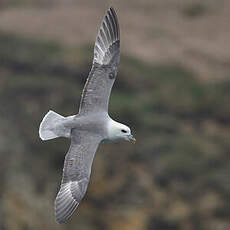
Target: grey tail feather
x: 52, y: 126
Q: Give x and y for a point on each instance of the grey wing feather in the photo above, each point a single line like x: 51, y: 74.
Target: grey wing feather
x: 96, y: 93
x: 107, y: 40
x: 76, y: 173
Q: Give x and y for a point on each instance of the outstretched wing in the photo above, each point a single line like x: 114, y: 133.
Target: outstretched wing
x: 96, y: 93
x: 76, y: 173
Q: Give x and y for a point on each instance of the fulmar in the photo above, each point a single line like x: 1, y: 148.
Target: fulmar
x: 92, y: 125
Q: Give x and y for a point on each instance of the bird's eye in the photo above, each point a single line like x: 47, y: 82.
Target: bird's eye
x: 123, y: 131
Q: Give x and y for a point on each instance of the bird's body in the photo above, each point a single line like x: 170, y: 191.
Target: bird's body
x: 92, y: 125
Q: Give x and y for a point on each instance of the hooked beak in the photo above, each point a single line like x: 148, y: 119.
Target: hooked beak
x: 132, y: 139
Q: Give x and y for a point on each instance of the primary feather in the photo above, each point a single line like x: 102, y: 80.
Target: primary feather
x: 108, y: 39
x: 76, y: 173
x: 96, y: 93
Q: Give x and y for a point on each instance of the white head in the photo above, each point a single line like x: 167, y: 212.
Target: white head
x: 118, y: 131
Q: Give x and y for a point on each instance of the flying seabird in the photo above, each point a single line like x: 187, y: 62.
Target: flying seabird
x: 92, y: 125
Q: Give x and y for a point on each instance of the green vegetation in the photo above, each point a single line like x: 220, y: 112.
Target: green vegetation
x: 181, y: 124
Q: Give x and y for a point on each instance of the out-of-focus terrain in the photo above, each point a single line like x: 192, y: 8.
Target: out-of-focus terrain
x: 172, y: 90
x: 194, y: 33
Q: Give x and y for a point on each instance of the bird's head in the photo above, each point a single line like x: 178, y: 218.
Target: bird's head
x: 118, y: 131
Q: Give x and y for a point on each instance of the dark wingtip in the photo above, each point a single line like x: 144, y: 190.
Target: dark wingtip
x: 108, y: 38
x: 116, y: 22
x: 113, y: 10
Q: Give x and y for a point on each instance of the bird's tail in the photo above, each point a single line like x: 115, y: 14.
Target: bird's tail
x: 52, y: 126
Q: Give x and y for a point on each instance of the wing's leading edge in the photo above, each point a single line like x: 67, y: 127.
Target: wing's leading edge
x: 96, y: 93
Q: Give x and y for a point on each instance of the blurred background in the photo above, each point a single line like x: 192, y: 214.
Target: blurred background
x: 173, y: 90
